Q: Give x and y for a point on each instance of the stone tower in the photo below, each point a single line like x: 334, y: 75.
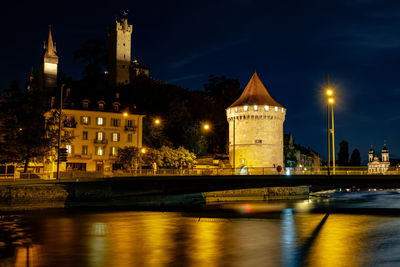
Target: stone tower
x: 120, y: 35
x: 49, y: 64
x: 385, y: 154
x: 371, y: 155
x: 256, y: 128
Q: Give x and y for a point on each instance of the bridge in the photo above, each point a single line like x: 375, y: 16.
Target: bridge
x: 182, y: 184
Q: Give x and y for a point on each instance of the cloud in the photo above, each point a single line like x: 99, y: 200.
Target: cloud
x: 197, y: 55
x: 187, y: 77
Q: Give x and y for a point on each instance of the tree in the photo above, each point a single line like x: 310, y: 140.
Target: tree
x: 169, y: 158
x: 355, y: 159
x: 128, y: 157
x: 30, y: 131
x: 343, y: 155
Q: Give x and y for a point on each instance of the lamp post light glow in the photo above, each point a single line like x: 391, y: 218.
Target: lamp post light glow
x: 125, y: 114
x: 206, y: 127
x: 330, y: 127
x: 157, y: 121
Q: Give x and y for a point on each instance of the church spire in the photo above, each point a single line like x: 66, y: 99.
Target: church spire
x: 50, y: 50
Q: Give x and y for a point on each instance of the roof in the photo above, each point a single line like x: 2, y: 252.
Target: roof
x: 50, y: 50
x: 137, y: 64
x: 255, y: 93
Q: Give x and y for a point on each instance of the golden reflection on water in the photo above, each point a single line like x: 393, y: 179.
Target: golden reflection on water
x: 341, y: 240
x: 172, y: 239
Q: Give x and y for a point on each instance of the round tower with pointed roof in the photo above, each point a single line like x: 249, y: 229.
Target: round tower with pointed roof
x: 256, y: 128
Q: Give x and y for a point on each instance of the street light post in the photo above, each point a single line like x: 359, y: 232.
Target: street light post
x: 328, y: 92
x: 333, y: 140
x: 59, y: 132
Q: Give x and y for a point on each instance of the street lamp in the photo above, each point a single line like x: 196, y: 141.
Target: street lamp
x: 206, y: 127
x: 157, y: 121
x: 330, y: 129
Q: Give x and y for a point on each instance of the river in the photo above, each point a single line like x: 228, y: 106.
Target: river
x: 364, y: 230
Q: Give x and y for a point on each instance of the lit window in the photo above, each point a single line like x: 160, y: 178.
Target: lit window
x: 276, y: 109
x: 266, y: 108
x: 100, y: 121
x: 236, y: 109
x: 100, y: 136
x: 85, y: 120
x: 69, y: 149
x: 100, y: 151
x: 114, y: 151
x: 282, y: 110
x: 115, y: 137
x: 229, y: 110
x: 246, y: 108
x: 255, y: 107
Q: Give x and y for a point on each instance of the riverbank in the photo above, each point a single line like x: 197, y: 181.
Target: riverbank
x: 108, y: 195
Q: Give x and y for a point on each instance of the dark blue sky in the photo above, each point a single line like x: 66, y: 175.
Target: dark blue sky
x: 293, y: 44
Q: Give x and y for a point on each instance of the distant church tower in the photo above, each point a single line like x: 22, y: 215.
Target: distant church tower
x: 256, y: 128
x: 49, y: 63
x: 120, y: 35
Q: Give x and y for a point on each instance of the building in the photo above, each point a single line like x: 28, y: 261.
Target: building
x: 256, y: 128
x: 120, y: 67
x: 305, y: 158
x: 99, y: 130
x: 375, y: 165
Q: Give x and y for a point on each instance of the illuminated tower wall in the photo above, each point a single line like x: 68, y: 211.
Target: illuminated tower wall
x: 120, y: 35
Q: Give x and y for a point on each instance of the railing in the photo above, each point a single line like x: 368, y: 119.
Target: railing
x: 130, y: 128
x: 69, y: 123
x: 98, y: 141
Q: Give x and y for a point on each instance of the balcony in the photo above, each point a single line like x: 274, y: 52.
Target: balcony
x: 130, y: 128
x: 71, y: 123
x: 103, y: 141
x: 81, y: 156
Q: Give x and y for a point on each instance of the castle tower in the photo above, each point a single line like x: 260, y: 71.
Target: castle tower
x: 256, y: 128
x: 120, y: 35
x: 371, y: 155
x: 385, y: 154
x: 49, y: 63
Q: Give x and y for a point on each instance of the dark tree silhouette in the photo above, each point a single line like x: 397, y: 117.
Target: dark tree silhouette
x: 355, y: 159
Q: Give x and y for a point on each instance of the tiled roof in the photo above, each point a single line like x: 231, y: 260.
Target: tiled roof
x: 255, y: 93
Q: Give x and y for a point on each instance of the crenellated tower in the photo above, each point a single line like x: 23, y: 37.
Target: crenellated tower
x: 49, y: 63
x: 119, y: 58
x: 256, y: 128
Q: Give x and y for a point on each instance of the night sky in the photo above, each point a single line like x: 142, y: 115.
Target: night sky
x: 292, y: 44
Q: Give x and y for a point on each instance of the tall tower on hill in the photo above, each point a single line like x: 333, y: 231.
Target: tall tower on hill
x: 49, y: 63
x: 120, y: 35
x: 256, y: 128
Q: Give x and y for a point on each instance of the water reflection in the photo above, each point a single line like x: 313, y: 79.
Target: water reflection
x: 129, y: 238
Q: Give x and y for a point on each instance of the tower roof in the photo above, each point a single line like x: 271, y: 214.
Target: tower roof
x: 255, y: 93
x: 50, y: 50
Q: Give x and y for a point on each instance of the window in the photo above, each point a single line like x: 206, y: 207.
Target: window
x: 255, y: 107
x: 100, y: 136
x: 129, y: 123
x: 258, y: 141
x: 130, y: 138
x: 246, y: 108
x: 85, y: 104
x: 84, y: 135
x: 116, y: 107
x: 282, y: 110
x: 101, y: 121
x: 115, y: 122
x: 69, y: 134
x: 84, y: 150
x: 236, y: 109
x: 266, y: 108
x: 114, y: 151
x: 115, y: 137
x: 85, y: 120
x: 276, y: 109
x: 69, y: 149
x: 100, y: 150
